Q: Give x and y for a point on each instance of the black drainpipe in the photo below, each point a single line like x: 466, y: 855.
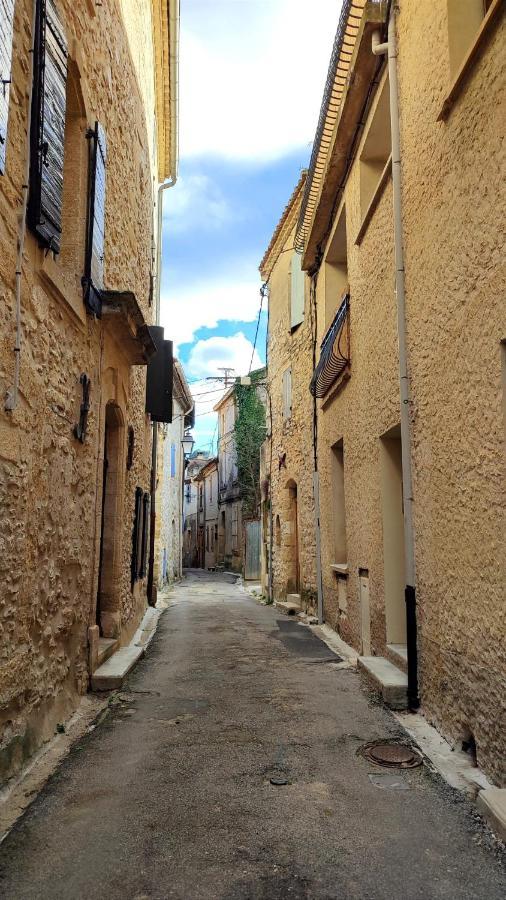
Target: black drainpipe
x: 152, y: 590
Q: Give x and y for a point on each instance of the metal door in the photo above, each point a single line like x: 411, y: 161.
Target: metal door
x: 252, y: 562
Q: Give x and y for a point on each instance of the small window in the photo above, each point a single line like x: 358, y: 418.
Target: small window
x: 336, y: 269
x: 376, y: 149
x: 172, y: 460
x: 464, y: 20
x: 6, y: 29
x: 296, y: 290
x: 287, y: 394
x: 338, y: 504
x: 48, y: 127
x: 137, y: 536
x: 211, y: 487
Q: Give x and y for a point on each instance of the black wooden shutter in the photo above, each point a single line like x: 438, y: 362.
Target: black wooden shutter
x: 6, y: 26
x: 48, y: 126
x: 137, y: 536
x: 159, y: 378
x: 145, y: 534
x: 93, y: 280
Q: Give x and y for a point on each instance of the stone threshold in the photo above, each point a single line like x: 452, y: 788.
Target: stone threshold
x: 111, y: 674
x: 391, y: 682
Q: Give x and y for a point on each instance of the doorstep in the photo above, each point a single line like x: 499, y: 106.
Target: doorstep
x: 291, y: 606
x: 491, y: 804
x: 112, y: 673
x: 391, y: 682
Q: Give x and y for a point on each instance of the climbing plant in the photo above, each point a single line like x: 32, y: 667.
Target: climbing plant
x: 249, y: 432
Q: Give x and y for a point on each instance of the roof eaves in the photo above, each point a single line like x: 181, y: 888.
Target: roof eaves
x: 282, y: 230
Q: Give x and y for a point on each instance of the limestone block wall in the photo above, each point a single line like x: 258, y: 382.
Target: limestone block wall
x: 50, y: 484
x: 454, y: 210
x: 291, y: 438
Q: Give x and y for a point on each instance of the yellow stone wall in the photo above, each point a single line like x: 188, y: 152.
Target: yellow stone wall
x: 292, y: 436
x: 50, y: 484
x: 453, y: 210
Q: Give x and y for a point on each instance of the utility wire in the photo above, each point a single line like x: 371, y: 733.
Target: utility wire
x: 263, y: 292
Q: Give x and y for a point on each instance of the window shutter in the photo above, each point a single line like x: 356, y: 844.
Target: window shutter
x: 146, y: 502
x: 172, y: 460
x: 287, y: 393
x: 6, y: 26
x: 137, y: 536
x: 93, y: 281
x: 296, y: 290
x: 48, y: 126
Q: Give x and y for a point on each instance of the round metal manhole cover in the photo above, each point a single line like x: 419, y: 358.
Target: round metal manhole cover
x: 392, y: 755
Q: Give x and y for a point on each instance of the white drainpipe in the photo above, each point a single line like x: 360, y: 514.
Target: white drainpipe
x: 390, y: 48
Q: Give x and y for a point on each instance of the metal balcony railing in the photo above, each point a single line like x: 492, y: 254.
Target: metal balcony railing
x: 334, y: 352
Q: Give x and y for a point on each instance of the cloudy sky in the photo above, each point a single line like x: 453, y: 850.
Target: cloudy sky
x: 251, y: 80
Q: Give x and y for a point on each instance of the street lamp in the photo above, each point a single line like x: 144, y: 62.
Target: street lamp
x: 187, y: 443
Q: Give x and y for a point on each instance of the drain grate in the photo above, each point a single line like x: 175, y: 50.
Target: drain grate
x: 392, y: 755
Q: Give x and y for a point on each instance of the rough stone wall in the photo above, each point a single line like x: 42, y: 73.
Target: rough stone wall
x: 453, y: 204
x: 365, y: 408
x: 50, y: 484
x: 293, y: 436
x: 454, y: 213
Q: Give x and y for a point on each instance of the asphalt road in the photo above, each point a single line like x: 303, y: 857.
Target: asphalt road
x: 171, y: 795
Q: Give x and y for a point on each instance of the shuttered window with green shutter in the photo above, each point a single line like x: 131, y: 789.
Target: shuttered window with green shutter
x: 48, y: 126
x: 6, y: 27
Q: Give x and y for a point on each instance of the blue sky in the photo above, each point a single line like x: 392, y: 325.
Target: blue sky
x: 251, y: 79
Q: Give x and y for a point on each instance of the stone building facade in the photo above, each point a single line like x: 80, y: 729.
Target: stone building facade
x: 207, y: 492
x: 170, y: 483
x: 287, y: 455
x: 451, y: 67
x: 75, y: 441
x: 190, y: 509
x: 230, y: 543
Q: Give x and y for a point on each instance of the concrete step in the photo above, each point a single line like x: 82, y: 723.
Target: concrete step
x: 291, y: 609
x: 492, y: 805
x: 106, y: 647
x: 111, y: 674
x: 387, y: 678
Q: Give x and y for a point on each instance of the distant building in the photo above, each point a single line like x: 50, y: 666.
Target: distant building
x: 190, y: 509
x: 239, y: 491
x: 171, y: 475
x: 207, y: 514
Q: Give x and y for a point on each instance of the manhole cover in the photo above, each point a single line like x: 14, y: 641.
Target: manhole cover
x: 392, y: 755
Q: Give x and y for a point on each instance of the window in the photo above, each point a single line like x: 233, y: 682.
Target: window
x: 93, y: 280
x: 336, y: 269
x: 376, y: 149
x: 296, y: 290
x: 334, y: 353
x: 287, y: 394
x: 140, y: 535
x: 200, y: 497
x: 48, y: 127
x: 338, y: 505
x: 211, y: 487
x: 6, y: 26
x: 464, y: 21
x: 172, y: 460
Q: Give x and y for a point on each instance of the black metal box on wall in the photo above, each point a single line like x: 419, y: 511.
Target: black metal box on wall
x: 159, y: 378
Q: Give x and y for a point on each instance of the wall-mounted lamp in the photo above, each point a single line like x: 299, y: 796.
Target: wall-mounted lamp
x: 187, y: 444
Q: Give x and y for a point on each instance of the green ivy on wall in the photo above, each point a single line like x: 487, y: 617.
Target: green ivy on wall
x: 249, y: 433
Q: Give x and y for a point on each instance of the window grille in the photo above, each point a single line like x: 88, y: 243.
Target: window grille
x: 334, y: 352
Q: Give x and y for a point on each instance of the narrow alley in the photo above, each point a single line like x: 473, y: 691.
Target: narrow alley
x: 227, y: 767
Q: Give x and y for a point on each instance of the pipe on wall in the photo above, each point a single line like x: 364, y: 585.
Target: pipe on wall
x: 390, y: 49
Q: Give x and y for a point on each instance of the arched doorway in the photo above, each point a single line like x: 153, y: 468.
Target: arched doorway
x: 108, y: 596
x: 292, y: 540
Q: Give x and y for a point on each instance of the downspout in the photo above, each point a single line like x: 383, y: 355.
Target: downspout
x: 12, y: 396
x: 390, y: 48
x: 168, y: 183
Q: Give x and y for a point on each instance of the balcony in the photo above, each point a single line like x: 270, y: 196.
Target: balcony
x: 334, y: 352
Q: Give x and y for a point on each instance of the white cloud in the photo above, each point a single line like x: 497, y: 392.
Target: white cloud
x: 204, y: 304
x: 196, y: 200
x: 252, y: 76
x: 208, y: 356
